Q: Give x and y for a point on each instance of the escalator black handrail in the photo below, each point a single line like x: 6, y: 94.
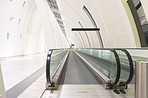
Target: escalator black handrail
x: 118, y: 71
x: 131, y: 67
x: 48, y: 67
x: 48, y: 61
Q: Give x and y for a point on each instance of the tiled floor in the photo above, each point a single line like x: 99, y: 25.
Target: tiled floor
x: 17, y: 69
x: 36, y: 89
x: 86, y: 91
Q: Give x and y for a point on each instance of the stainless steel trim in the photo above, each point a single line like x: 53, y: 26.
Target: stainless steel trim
x: 99, y: 74
x: 141, y: 79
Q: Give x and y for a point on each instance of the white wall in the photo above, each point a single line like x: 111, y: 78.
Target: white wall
x: 55, y: 37
x: 111, y: 16
x: 32, y: 28
x: 10, y: 13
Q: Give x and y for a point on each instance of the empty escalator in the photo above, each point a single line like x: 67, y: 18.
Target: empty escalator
x: 76, y: 71
x: 79, y: 67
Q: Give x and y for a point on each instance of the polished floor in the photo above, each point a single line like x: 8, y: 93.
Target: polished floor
x: 86, y: 91
x: 24, y: 77
x: 20, y: 72
x: 37, y: 90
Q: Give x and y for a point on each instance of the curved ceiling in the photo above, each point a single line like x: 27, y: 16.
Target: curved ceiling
x: 110, y: 16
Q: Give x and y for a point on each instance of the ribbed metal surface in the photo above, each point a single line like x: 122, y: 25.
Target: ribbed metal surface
x: 77, y: 72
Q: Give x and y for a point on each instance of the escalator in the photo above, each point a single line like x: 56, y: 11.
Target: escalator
x: 88, y: 66
x: 76, y: 72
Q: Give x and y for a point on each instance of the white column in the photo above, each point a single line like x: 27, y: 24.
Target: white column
x: 142, y: 79
x: 2, y: 90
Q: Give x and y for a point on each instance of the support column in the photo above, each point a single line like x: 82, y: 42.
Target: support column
x: 142, y: 79
x: 2, y: 90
